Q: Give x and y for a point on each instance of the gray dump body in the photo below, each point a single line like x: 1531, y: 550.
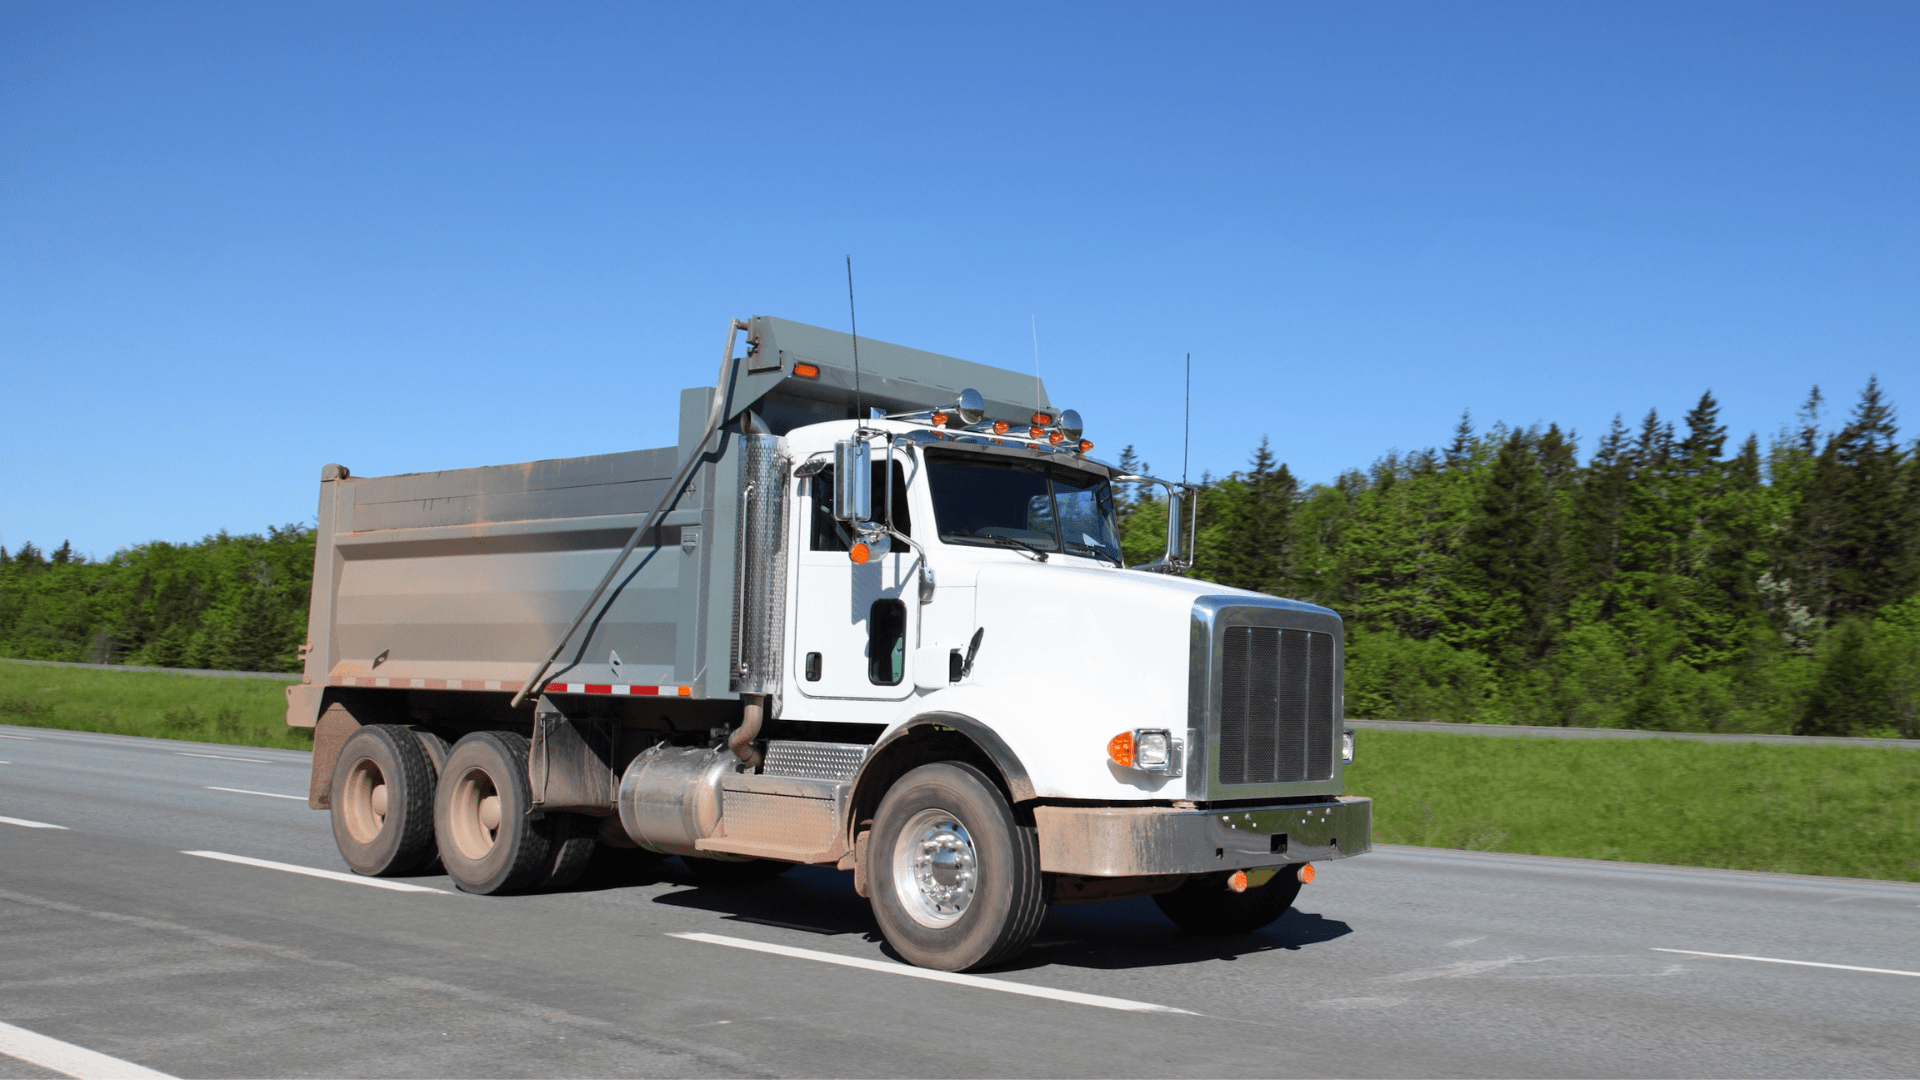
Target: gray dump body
x: 463, y: 580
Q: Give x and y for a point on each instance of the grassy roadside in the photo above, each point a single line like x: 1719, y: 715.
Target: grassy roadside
x: 1841, y: 811
x: 196, y: 708
x: 1833, y: 810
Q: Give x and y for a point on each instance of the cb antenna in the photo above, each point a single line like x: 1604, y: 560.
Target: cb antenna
x: 854, y: 325
x: 1186, y: 427
x: 1035, y: 320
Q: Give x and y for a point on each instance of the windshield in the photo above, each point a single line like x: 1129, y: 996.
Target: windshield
x: 989, y: 500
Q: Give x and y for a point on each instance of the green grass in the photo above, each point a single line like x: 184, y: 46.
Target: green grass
x: 1834, y: 810
x: 196, y: 708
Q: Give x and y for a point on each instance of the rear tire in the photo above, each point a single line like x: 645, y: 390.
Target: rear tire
x: 382, y: 798
x: 1204, y: 906
x: 574, y: 838
x: 955, y: 879
x: 488, y: 841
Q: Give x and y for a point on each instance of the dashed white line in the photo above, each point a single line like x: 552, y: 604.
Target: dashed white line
x: 244, y: 791
x: 25, y: 824
x: 1002, y: 985
x: 330, y: 875
x: 22, y: 738
x: 64, y: 1057
x: 1795, y: 963
x: 223, y: 757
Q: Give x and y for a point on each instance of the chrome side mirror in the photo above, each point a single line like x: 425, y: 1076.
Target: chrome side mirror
x: 852, y: 481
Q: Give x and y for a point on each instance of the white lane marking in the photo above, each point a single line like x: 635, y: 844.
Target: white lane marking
x: 244, y: 791
x: 25, y: 824
x: 223, y: 757
x: 22, y: 738
x: 64, y: 1057
x: 330, y: 875
x: 886, y: 968
x: 6, y: 762
x: 1795, y: 963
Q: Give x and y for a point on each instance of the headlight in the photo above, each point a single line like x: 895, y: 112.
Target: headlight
x: 1147, y: 749
x: 1346, y: 747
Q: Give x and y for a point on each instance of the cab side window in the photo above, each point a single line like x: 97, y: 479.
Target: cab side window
x: 826, y: 534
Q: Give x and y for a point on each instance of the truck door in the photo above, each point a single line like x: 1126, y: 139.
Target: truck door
x: 854, y: 624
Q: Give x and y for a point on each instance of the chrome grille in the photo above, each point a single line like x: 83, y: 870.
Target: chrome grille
x: 1277, y: 712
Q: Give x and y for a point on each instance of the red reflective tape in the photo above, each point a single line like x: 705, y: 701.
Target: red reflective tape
x: 645, y: 690
x: 597, y: 688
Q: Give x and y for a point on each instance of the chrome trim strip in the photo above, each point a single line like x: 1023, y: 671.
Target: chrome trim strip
x: 1125, y: 841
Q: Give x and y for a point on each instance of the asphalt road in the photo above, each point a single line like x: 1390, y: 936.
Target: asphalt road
x: 1404, y: 962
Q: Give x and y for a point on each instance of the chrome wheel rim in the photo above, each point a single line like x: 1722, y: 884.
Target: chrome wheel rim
x: 935, y: 868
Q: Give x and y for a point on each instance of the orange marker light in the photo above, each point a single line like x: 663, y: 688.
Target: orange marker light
x: 1000, y: 427
x: 1305, y: 873
x: 806, y: 371
x: 1056, y: 438
x: 1036, y: 433
x: 939, y: 419
x: 1042, y: 418
x: 859, y: 553
x: 1120, y: 749
x: 1086, y: 445
x: 686, y: 691
x: 1238, y: 882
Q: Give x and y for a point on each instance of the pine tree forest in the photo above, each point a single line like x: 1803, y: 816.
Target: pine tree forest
x: 1670, y: 581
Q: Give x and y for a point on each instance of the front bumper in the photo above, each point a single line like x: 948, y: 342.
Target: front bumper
x: 1126, y: 841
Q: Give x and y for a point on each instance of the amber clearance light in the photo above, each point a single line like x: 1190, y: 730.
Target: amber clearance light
x: 859, y: 553
x: 806, y: 371
x: 1120, y: 749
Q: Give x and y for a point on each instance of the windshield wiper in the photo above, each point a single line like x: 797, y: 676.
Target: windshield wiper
x: 1008, y: 541
x: 1096, y: 552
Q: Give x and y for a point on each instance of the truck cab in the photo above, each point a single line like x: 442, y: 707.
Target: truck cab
x: 879, y: 619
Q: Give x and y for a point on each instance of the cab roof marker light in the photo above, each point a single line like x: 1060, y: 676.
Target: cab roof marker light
x: 806, y: 371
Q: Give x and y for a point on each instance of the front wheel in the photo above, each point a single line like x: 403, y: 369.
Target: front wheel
x: 1206, y: 907
x: 956, y: 881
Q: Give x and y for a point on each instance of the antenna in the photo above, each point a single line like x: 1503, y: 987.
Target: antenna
x: 1036, y: 360
x: 1186, y: 428
x: 854, y: 324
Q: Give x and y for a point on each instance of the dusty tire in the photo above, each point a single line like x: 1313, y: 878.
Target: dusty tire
x: 724, y: 872
x: 383, y: 802
x: 488, y: 843
x: 574, y: 836
x: 955, y: 879
x: 436, y: 749
x: 1204, y: 906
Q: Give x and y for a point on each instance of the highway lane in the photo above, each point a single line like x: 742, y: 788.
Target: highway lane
x: 1404, y: 962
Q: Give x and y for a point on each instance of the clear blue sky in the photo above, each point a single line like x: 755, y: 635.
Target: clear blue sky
x: 239, y: 241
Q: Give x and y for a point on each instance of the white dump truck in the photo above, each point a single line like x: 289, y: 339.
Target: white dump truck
x: 870, y: 612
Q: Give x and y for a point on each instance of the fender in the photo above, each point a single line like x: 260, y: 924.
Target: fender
x: 1019, y: 787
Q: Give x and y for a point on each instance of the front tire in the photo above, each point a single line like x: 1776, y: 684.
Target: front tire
x: 488, y: 841
x: 383, y: 802
x: 956, y: 881
x: 1205, y: 907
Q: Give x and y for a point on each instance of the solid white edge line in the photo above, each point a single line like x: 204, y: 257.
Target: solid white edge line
x: 244, y: 791
x: 22, y: 738
x: 64, y: 1057
x: 1795, y: 963
x: 330, y: 875
x: 1002, y: 985
x: 25, y: 824
x: 224, y: 757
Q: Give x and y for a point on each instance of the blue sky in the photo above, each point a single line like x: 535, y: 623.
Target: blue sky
x: 239, y: 241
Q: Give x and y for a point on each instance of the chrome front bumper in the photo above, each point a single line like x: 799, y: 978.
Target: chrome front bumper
x: 1125, y: 841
